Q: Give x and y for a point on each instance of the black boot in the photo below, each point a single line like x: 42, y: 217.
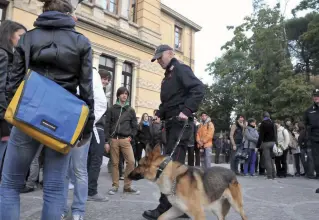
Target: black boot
x: 152, y: 214
x: 317, y: 191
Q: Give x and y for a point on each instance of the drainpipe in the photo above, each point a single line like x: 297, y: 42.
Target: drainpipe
x: 191, y: 47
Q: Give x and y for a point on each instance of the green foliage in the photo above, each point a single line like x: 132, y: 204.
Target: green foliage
x: 303, y: 41
x: 306, y: 4
x: 256, y: 74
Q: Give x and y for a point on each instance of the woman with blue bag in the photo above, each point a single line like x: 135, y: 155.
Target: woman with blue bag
x: 54, y: 50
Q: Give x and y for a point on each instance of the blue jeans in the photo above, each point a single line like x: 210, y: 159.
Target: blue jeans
x: 251, y: 162
x: 20, y: 153
x: 206, y: 157
x: 78, y: 175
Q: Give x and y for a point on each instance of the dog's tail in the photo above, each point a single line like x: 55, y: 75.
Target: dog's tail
x: 237, y: 198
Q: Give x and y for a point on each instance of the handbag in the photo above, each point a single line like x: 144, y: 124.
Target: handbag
x: 242, y: 153
x: 47, y: 112
x: 277, y: 149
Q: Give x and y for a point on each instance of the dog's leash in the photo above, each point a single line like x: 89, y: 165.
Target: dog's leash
x: 168, y: 159
x: 179, y: 137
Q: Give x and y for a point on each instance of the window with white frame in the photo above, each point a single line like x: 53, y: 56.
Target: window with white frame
x: 178, y: 38
x: 3, y: 9
x: 127, y: 78
x: 108, y: 63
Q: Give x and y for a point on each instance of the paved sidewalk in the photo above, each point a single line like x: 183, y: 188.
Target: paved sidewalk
x: 281, y: 199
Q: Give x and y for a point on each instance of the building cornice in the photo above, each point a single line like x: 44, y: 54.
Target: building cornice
x: 180, y: 17
x: 114, y: 34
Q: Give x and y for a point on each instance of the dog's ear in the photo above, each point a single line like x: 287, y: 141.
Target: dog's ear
x: 148, y: 150
x: 157, y: 149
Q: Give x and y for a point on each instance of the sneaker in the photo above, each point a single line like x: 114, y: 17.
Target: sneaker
x: 131, y: 191
x: 71, y: 186
x: 64, y: 217
x: 121, y: 177
x: 77, y: 217
x: 113, y: 191
x: 98, y: 198
x: 27, y: 190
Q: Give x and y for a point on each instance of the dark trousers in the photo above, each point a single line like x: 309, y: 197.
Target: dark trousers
x: 315, y: 156
x: 217, y: 154
x: 303, y: 156
x: 193, y: 156
x: 173, y: 128
x: 297, y: 162
x: 267, y: 160
x: 262, y: 168
x: 94, y: 161
x: 281, y: 164
x: 139, y: 150
x: 234, y: 161
x: 227, y: 156
x: 307, y: 161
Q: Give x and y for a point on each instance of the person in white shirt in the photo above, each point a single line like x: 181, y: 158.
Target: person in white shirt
x: 96, y: 151
x: 283, y: 142
x: 79, y: 157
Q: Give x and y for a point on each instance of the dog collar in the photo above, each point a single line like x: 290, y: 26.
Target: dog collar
x: 162, y: 167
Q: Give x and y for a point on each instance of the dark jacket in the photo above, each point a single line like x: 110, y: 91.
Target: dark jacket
x: 6, y: 61
x: 302, y: 141
x: 55, y: 49
x: 311, y: 119
x: 144, y: 134
x: 181, y: 91
x: 126, y: 125
x: 266, y: 132
x: 156, y: 132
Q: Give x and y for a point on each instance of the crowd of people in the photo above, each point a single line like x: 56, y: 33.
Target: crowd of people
x: 114, y: 131
x: 268, y: 147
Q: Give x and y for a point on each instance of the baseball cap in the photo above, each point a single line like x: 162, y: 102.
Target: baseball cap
x: 160, y: 50
x: 315, y: 92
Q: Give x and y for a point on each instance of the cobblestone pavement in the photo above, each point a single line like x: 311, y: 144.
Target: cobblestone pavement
x: 281, y: 199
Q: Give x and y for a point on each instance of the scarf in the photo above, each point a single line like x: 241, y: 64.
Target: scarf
x: 266, y: 118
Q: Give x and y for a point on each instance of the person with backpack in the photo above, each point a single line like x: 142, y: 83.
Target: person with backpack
x: 266, y: 141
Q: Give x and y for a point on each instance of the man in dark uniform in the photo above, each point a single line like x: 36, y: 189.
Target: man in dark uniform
x: 181, y: 95
x: 312, y: 126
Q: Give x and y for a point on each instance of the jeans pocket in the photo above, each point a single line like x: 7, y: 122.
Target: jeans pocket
x: 18, y: 137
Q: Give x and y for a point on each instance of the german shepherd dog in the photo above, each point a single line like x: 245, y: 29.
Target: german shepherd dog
x: 191, y: 190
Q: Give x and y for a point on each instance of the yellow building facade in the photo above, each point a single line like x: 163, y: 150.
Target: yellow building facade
x: 124, y: 35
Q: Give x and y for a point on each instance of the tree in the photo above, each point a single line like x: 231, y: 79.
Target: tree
x: 255, y: 73
x: 302, y: 34
x: 306, y: 4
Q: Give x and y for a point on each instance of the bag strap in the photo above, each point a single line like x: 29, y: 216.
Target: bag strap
x: 120, y: 117
x: 276, y: 134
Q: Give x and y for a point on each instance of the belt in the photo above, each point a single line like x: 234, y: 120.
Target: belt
x: 119, y: 137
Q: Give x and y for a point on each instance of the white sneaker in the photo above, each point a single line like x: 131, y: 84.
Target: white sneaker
x: 71, y: 186
x: 77, y: 217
